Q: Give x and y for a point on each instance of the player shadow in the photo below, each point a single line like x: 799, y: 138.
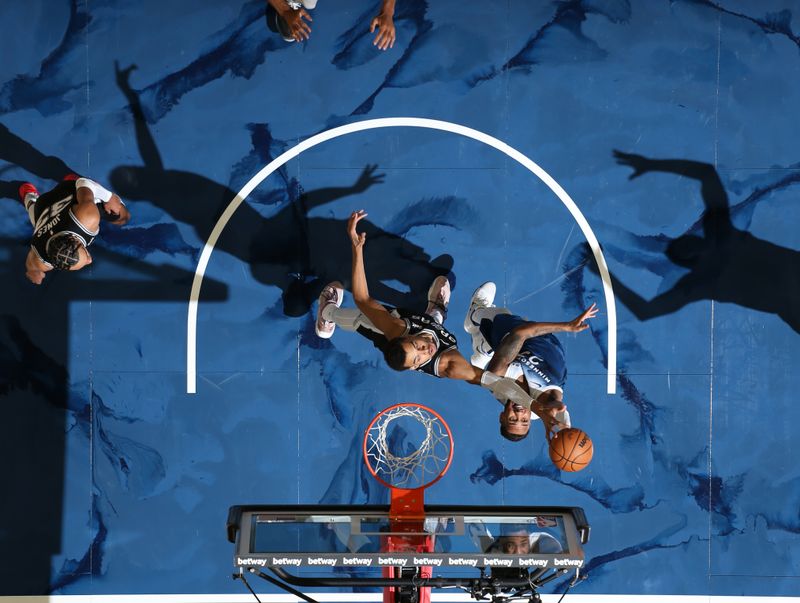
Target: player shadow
x: 290, y: 250
x: 17, y: 151
x: 43, y: 399
x: 725, y: 263
x: 39, y: 406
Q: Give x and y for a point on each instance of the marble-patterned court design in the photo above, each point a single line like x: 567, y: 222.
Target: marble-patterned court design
x: 671, y: 124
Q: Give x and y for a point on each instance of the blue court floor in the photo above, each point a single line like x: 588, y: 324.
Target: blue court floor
x: 116, y: 480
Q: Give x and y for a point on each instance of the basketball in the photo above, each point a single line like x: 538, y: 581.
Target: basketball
x: 571, y: 449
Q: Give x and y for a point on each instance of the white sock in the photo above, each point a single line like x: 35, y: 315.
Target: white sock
x: 30, y: 202
x: 349, y: 319
x: 436, y: 313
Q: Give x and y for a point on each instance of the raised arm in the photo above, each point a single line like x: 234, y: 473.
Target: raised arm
x: 321, y: 196
x: 716, y: 219
x: 95, y: 202
x: 689, y: 288
x: 299, y: 29
x: 453, y: 365
x: 512, y: 343
x: 144, y: 139
x: 389, y: 325
x: 384, y: 23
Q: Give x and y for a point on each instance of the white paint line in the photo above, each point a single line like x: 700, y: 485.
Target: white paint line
x: 394, y: 122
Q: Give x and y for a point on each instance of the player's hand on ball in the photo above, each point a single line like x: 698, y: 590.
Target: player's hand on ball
x: 551, y: 426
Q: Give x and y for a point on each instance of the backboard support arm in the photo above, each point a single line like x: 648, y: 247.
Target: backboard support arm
x: 487, y: 582
x: 278, y: 583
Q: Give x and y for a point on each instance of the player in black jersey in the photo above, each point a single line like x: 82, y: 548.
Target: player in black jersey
x: 65, y: 221
x: 408, y: 340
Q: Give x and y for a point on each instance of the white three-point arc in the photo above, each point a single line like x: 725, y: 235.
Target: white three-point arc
x: 398, y: 122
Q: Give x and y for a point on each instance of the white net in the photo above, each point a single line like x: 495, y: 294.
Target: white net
x: 421, y: 466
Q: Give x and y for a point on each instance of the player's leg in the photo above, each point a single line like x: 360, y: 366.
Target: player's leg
x: 481, y: 314
x: 28, y: 195
x: 350, y: 319
x: 481, y: 308
x: 330, y: 298
x: 438, y: 299
x: 330, y: 315
x: 482, y: 297
x: 482, y: 352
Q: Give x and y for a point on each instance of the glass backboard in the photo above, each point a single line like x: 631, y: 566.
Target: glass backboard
x: 365, y: 536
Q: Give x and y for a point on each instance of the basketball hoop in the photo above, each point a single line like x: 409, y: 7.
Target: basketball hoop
x: 407, y: 468
x: 407, y: 472
x: 424, y: 463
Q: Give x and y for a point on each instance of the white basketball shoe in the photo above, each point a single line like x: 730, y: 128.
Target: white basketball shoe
x: 438, y: 297
x: 483, y: 297
x: 332, y: 294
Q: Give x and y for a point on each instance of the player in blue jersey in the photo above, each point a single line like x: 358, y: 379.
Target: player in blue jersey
x: 510, y: 346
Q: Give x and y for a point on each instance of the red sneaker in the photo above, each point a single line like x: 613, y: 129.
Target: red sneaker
x: 25, y: 189
x: 70, y: 177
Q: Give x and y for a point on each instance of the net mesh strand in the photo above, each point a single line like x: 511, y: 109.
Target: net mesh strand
x: 421, y: 466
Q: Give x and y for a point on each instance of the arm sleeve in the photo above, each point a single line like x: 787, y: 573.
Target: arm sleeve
x: 101, y: 195
x: 505, y: 389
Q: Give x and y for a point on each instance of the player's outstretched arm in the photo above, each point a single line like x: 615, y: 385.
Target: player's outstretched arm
x: 512, y: 343
x: 389, y: 325
x: 453, y: 365
x: 329, y: 194
x: 294, y: 19
x: 384, y: 23
x: 144, y: 138
x: 717, y: 217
